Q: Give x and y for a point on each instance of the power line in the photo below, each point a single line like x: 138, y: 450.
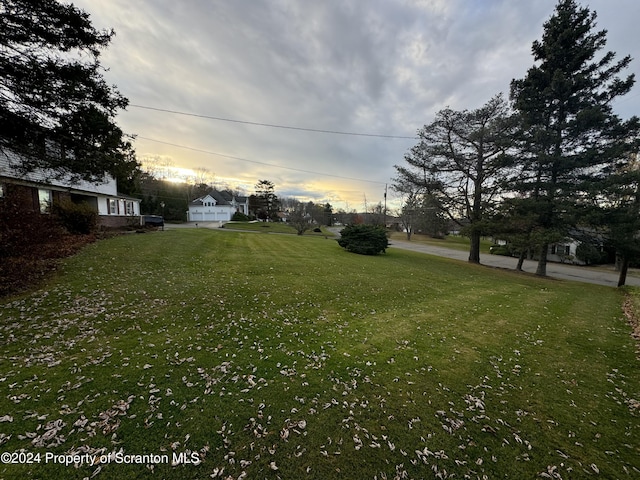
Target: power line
x: 258, y: 162
x: 270, y: 125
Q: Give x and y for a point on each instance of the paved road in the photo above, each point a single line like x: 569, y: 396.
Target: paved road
x: 600, y: 276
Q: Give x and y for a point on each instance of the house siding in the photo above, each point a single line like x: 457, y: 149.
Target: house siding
x: 564, y: 253
x: 24, y: 189
x: 108, y: 186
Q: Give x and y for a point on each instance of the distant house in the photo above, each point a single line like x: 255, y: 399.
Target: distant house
x: 564, y: 252
x: 284, y: 216
x: 217, y: 206
x: 38, y: 190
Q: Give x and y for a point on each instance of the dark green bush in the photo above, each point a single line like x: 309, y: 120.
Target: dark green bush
x: 79, y: 218
x: 239, y: 217
x: 500, y: 250
x: 364, y: 239
x: 590, y: 254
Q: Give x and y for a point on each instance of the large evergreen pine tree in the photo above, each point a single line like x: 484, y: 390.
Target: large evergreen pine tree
x: 458, y: 164
x: 618, y: 211
x: 56, y: 110
x: 570, y: 131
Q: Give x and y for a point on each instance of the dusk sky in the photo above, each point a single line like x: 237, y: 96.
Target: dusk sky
x: 367, y: 67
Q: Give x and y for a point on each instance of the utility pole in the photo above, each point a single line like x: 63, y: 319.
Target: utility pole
x: 385, y: 207
x: 366, y: 209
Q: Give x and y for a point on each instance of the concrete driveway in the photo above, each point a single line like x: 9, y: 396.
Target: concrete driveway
x: 600, y: 275
x: 175, y: 226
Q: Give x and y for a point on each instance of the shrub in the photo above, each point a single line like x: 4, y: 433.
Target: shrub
x: 590, y: 254
x: 79, y: 218
x: 500, y: 250
x: 239, y: 217
x: 364, y: 239
x: 30, y: 243
x: 23, y: 231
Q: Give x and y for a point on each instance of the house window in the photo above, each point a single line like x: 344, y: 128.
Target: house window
x: 113, y: 206
x: 44, y: 200
x: 560, y: 249
x: 128, y: 207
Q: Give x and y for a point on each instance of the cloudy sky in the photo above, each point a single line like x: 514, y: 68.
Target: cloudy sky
x: 377, y: 67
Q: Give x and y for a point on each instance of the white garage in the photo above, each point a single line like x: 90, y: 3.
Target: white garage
x: 217, y: 206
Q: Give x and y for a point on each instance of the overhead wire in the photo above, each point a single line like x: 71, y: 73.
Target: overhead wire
x: 208, y: 152
x: 271, y: 125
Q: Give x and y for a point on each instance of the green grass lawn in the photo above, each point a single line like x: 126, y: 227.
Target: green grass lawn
x: 278, y: 356
x: 272, y: 227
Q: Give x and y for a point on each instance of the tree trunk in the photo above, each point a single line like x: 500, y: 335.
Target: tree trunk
x: 474, y: 249
x: 622, y: 279
x: 542, y: 261
x: 523, y: 254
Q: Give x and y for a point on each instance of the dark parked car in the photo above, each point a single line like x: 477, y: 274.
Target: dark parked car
x: 153, y: 221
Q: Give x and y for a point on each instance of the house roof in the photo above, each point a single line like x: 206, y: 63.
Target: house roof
x: 50, y: 178
x: 221, y: 198
x: 122, y: 196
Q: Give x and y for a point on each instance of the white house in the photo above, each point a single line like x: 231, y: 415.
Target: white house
x: 564, y: 252
x: 217, y: 206
x: 39, y: 189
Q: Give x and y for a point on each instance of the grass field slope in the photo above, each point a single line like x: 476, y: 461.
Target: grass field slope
x: 200, y: 353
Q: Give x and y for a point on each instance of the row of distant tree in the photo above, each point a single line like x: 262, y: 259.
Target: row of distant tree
x: 552, y: 162
x: 171, y: 200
